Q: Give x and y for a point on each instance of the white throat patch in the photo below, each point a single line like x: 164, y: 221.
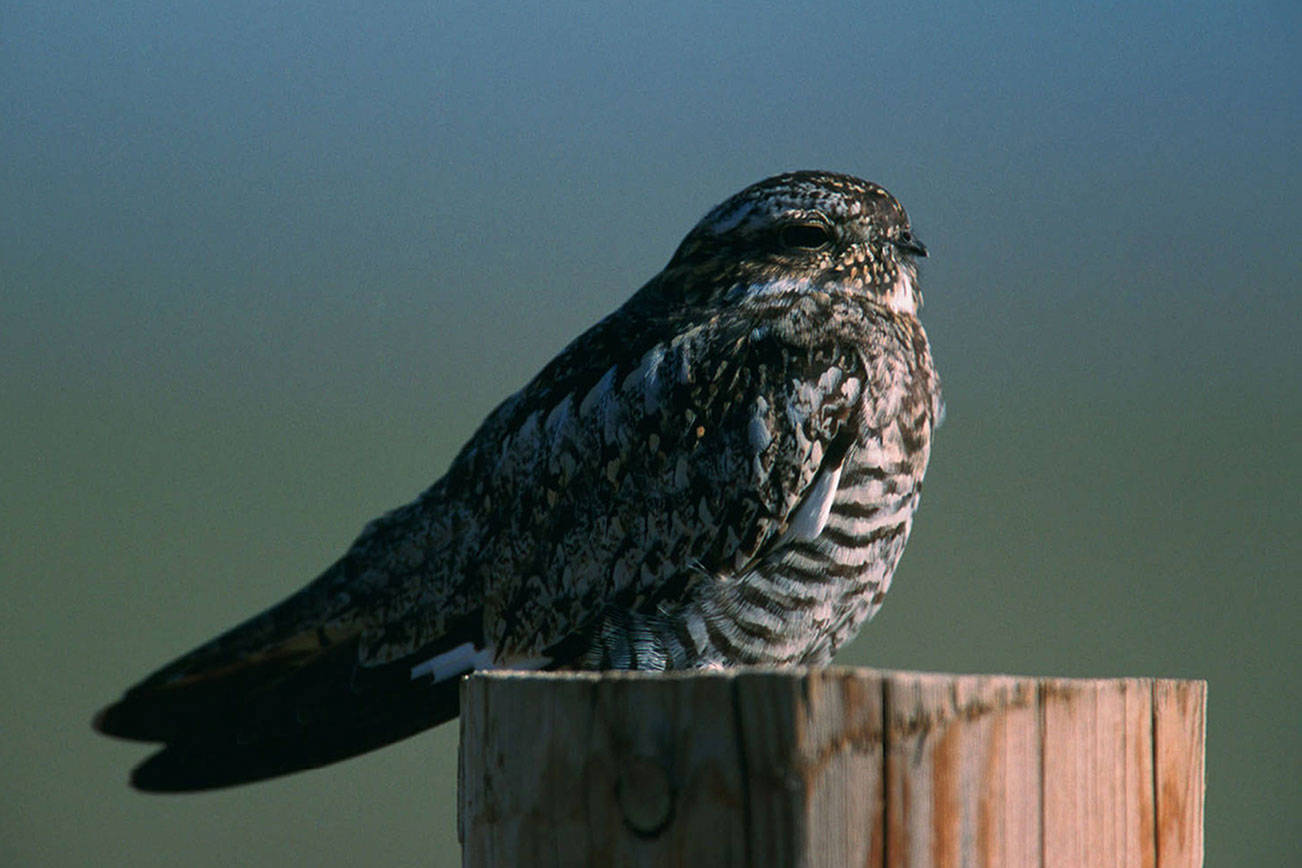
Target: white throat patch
x: 903, y: 298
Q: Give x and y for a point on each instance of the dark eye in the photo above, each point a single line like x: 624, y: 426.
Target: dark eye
x: 804, y: 236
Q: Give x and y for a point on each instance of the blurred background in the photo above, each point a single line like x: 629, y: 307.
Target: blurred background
x: 264, y: 268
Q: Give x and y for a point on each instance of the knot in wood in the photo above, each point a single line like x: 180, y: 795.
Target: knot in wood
x: 645, y: 796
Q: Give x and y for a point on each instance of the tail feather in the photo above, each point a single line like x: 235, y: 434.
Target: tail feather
x: 260, y: 702
x: 357, y: 659
x: 211, y: 761
x: 276, y: 718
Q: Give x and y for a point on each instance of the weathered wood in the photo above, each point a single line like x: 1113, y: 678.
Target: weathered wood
x: 1098, y: 772
x: 832, y: 767
x: 963, y: 770
x: 1179, y: 730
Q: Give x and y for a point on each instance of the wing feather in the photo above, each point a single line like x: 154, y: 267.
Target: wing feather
x: 655, y: 452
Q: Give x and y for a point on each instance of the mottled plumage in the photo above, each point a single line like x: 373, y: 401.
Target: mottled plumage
x: 723, y: 471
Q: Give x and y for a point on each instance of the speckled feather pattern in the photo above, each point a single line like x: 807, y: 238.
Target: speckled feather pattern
x: 722, y: 471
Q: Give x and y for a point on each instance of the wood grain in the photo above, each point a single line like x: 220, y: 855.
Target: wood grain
x: 1098, y: 773
x: 963, y: 765
x: 1179, y: 730
x: 796, y: 767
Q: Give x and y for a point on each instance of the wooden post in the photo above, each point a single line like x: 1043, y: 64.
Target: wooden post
x: 836, y: 767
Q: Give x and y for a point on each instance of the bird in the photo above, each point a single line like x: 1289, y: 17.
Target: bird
x: 723, y: 471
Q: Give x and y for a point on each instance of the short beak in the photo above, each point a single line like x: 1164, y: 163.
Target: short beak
x: 909, y: 244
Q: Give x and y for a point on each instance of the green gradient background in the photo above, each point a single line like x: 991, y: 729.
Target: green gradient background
x: 262, y: 272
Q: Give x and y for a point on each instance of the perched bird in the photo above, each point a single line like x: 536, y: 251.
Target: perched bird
x: 723, y: 471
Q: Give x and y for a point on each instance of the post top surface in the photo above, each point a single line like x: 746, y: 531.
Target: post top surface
x: 797, y: 673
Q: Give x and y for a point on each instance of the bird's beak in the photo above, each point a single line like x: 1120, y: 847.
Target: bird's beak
x: 909, y: 244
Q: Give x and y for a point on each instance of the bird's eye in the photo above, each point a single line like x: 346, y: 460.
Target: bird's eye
x: 804, y: 236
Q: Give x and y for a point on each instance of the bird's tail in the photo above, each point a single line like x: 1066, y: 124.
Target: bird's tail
x: 285, y: 691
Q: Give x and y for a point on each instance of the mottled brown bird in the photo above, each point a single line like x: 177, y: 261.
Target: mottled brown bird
x: 723, y: 471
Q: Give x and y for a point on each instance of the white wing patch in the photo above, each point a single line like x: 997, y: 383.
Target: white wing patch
x: 811, y: 517
x: 460, y: 660
x: 467, y: 658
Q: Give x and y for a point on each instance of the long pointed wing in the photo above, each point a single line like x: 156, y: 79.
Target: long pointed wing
x: 312, y: 680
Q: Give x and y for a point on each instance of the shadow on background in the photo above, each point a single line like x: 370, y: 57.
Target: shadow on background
x: 264, y: 271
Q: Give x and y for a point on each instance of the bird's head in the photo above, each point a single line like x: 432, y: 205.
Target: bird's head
x: 806, y: 231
